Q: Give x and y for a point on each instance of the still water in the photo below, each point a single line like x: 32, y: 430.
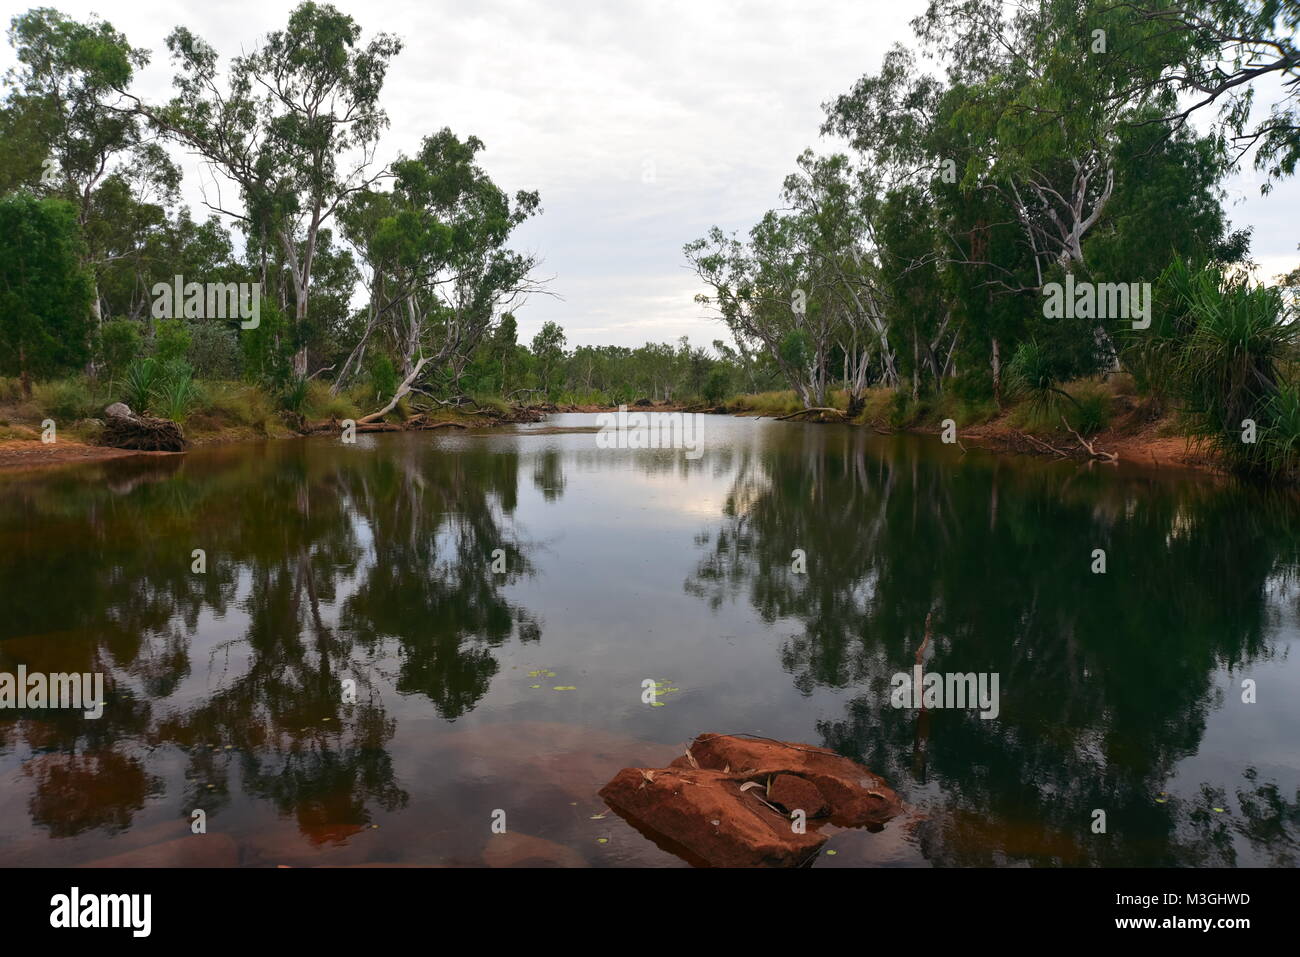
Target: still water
x: 350, y: 681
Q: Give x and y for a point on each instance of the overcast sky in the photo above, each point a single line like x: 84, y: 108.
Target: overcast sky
x: 641, y: 124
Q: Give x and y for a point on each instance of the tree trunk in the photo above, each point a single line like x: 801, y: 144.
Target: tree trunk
x: 24, y: 376
x: 997, y: 373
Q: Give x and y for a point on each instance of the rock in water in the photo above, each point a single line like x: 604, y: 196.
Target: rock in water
x: 123, y: 429
x: 701, y: 804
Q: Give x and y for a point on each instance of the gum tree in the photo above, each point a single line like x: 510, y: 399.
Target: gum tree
x: 294, y: 125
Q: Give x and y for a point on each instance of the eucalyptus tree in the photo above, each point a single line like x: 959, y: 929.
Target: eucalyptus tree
x: 294, y: 125
x: 438, y: 268
x: 548, y: 353
x: 1041, y: 90
x: 1215, y: 53
x: 807, y: 288
x: 67, y: 103
x: 45, y: 288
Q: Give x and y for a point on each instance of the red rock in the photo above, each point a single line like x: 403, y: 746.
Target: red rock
x: 793, y: 793
x: 705, y: 812
x: 857, y: 797
x: 697, y: 804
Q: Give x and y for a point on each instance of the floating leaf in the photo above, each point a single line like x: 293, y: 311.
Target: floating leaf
x: 566, y: 688
x: 1161, y: 801
x: 1218, y: 810
x: 602, y: 840
x: 656, y: 704
x: 597, y: 817
x: 832, y: 853
x: 534, y: 686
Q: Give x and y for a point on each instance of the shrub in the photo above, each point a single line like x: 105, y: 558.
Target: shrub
x: 321, y: 403
x: 1233, y: 338
x: 383, y: 377
x: 177, y: 393
x: 214, y: 351
x: 120, y: 341
x: 171, y: 340
x: 141, y: 378
x: 66, y: 400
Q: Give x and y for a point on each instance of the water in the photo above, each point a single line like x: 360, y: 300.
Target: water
x: 373, y: 564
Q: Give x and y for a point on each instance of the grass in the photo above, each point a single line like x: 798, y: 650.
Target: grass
x: 764, y: 403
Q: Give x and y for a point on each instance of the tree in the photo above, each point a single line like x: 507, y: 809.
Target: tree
x: 68, y: 94
x: 434, y: 248
x: 296, y: 130
x: 45, y: 288
x: 548, y: 351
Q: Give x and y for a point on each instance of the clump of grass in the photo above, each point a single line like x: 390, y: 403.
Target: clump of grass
x: 293, y: 396
x: 177, y: 394
x: 140, y: 382
x: 19, y: 433
x: 66, y: 400
x: 766, y: 403
x: 238, y: 403
x: 11, y: 390
x: 321, y: 403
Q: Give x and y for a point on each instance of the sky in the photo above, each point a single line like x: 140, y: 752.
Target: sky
x: 641, y: 125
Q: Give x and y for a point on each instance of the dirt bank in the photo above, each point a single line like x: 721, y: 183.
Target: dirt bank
x: 18, y: 455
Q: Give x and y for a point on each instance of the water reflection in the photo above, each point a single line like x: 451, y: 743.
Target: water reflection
x: 1107, y: 679
x: 323, y: 568
x: 354, y: 676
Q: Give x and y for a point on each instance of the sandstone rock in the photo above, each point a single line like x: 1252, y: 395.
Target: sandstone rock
x: 857, y: 797
x: 701, y: 804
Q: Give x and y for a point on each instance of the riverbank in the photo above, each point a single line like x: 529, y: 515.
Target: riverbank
x: 1131, y: 430
x: 1101, y: 421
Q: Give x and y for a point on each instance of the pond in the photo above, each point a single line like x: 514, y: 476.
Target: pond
x: 385, y: 647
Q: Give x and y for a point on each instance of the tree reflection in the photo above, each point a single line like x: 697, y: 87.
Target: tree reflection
x: 324, y: 565
x: 1107, y: 679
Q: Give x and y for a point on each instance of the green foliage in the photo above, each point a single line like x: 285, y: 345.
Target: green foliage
x: 383, y: 376
x: 139, y: 383
x: 973, y: 385
x: 1229, y: 339
x: 120, y: 341
x: 214, y: 351
x: 293, y: 396
x: 1034, y: 375
x: 45, y: 290
x: 266, y: 349
x: 171, y: 340
x: 176, y: 394
x: 66, y: 400
x: 1090, y: 411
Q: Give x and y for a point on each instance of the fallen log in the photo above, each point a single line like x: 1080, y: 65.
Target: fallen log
x: 823, y: 410
x: 1108, y: 457
x: 123, y: 429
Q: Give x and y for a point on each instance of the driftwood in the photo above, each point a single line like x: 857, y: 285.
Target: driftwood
x: 1042, y: 445
x: 782, y: 418
x: 123, y: 429
x: 1109, y: 457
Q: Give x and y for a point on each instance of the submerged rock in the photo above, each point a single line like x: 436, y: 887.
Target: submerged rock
x: 730, y: 801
